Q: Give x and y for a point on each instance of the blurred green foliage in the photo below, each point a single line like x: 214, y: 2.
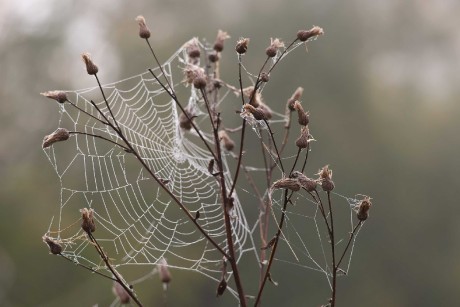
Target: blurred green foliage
x: 382, y: 89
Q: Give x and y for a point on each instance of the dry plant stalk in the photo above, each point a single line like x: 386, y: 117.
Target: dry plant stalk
x: 292, y: 181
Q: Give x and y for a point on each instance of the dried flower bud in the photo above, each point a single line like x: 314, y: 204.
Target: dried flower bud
x: 304, y: 138
x: 306, y: 183
x: 302, y: 115
x: 195, y: 75
x: 144, y: 31
x: 226, y: 140
x: 211, y: 166
x: 325, y: 177
x: 257, y: 113
x: 256, y: 100
x: 87, y: 220
x: 272, y: 50
x: 192, y: 48
x: 120, y: 292
x: 91, y: 68
x: 213, y: 56
x: 264, y: 77
x: 287, y: 183
x: 163, y: 272
x: 268, y: 113
x: 363, y: 208
x: 59, y: 96
x: 296, y: 96
x: 219, y: 43
x: 304, y: 35
x: 61, y: 134
x: 186, y: 118
x: 242, y: 45
x: 221, y: 287
x: 55, y: 248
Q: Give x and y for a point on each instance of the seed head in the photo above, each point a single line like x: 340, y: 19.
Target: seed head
x: 306, y: 183
x: 363, y: 208
x: 256, y: 100
x: 325, y: 178
x: 257, y: 113
x: 144, y: 31
x: 264, y: 77
x: 296, y: 96
x: 304, y: 138
x: 304, y: 35
x: 55, y: 248
x: 59, y: 96
x: 221, y: 287
x: 195, y: 75
x: 226, y: 140
x: 213, y: 56
x: 91, y: 68
x: 287, y: 183
x: 242, y: 45
x: 302, y: 115
x: 61, y: 134
x: 163, y: 272
x: 184, y: 121
x: 272, y: 50
x: 87, y: 220
x: 120, y: 292
x: 219, y: 43
x: 192, y: 48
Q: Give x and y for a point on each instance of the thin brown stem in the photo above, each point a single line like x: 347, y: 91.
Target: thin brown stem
x: 160, y: 66
x: 352, y: 235
x: 87, y: 268
x: 107, y: 102
x: 331, y: 236
x: 101, y: 137
x: 83, y: 111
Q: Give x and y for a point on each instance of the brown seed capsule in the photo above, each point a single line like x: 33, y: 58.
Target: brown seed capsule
x: 287, y: 183
x: 59, y: 96
x: 268, y: 113
x: 144, y: 31
x: 213, y: 56
x: 221, y: 287
x: 302, y: 115
x: 87, y: 220
x: 219, y: 43
x: 272, y: 50
x: 91, y: 68
x: 264, y: 77
x: 256, y: 99
x: 192, y: 48
x: 120, y: 292
x: 195, y: 75
x: 163, y: 272
x: 304, y: 138
x: 55, y: 248
x: 242, y: 45
x: 296, y: 96
x: 307, y: 183
x: 325, y: 178
x: 363, y: 208
x: 257, y: 113
x: 211, y: 166
x: 304, y: 35
x: 184, y: 121
x: 226, y: 140
x: 61, y: 134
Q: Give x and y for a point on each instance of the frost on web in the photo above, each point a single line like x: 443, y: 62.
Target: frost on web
x: 137, y: 222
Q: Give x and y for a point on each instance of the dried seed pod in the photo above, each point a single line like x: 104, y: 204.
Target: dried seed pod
x: 120, y: 292
x: 55, y: 248
x: 363, y: 208
x: 219, y: 43
x: 304, y: 138
x: 221, y: 287
x: 256, y: 100
x: 229, y: 144
x: 325, y: 177
x: 287, y: 183
x: 296, y: 96
x: 163, y: 273
x: 268, y: 113
x: 186, y: 118
x: 272, y: 50
x: 257, y: 113
x: 213, y: 56
x: 195, y: 75
x: 144, y: 31
x: 91, y: 68
x: 264, y: 77
x: 303, y: 117
x: 307, y: 183
x: 242, y: 45
x: 87, y: 220
x: 211, y: 166
x: 192, y: 48
x: 61, y: 134
x: 304, y: 35
x: 59, y: 96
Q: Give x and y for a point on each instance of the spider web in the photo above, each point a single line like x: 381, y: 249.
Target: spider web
x: 137, y: 222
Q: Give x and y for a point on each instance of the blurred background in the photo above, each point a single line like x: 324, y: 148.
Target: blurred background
x: 382, y: 88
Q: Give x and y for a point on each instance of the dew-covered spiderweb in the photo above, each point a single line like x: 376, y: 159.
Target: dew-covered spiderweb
x: 138, y: 224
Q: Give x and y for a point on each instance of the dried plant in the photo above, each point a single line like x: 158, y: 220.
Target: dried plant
x: 291, y: 182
